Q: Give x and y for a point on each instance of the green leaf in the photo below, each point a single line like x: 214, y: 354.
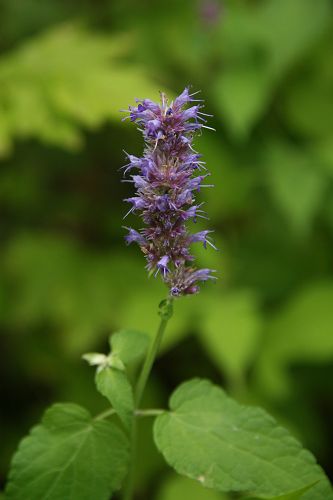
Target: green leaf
x: 69, y: 455
x: 229, y: 447
x: 63, y: 80
x: 81, y: 291
x: 289, y: 29
x: 230, y: 331
x: 114, y: 385
x: 294, y: 495
x: 242, y: 94
x: 300, y: 332
x: 296, y: 183
x: 180, y: 488
x: 263, y: 41
x: 129, y: 345
x: 238, y: 181
x: 134, y: 313
x: 308, y: 105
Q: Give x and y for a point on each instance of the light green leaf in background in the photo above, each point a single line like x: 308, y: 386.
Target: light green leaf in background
x: 261, y: 42
x: 324, y: 151
x: 84, y: 293
x: 241, y: 94
x: 182, y: 488
x: 63, y: 80
x: 129, y: 345
x: 308, y: 106
x: 209, y: 437
x: 69, y: 455
x: 300, y: 332
x: 233, y: 181
x: 297, y: 185
x: 185, y: 315
x: 115, y: 386
x: 290, y: 29
x: 231, y: 330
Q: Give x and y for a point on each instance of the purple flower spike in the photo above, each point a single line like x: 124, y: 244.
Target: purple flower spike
x: 165, y: 190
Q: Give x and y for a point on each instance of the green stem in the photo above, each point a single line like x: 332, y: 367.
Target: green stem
x: 165, y: 311
x: 149, y: 413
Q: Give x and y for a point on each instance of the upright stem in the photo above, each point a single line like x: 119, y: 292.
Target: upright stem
x: 165, y: 311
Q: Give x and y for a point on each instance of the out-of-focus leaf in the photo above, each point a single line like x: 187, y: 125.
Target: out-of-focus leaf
x: 230, y: 331
x: 64, y: 80
x: 323, y: 149
x: 233, y: 183
x: 241, y: 95
x: 129, y: 345
x: 309, y: 107
x: 295, y: 495
x: 242, y: 448
x: 289, y: 29
x: 179, y: 488
x: 85, y: 295
x: 76, y: 289
x: 262, y: 42
x: 185, y: 314
x: 21, y: 19
x: 300, y: 332
x: 307, y: 104
x: 296, y: 183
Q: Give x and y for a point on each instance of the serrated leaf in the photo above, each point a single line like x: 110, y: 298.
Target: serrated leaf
x: 229, y: 447
x: 129, y: 345
x: 69, y: 455
x: 114, y: 385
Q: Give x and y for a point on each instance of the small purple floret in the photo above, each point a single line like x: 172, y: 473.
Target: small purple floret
x: 165, y: 190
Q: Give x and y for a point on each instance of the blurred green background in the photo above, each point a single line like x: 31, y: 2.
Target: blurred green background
x: 265, y: 331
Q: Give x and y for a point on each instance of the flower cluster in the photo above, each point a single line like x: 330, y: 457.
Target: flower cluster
x: 165, y: 190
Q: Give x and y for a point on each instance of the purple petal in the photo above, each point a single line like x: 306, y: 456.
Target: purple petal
x: 138, y: 203
x: 190, y: 113
x: 134, y: 236
x: 162, y: 264
x: 182, y: 99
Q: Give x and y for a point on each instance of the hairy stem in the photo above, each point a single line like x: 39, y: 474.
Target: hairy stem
x: 165, y: 311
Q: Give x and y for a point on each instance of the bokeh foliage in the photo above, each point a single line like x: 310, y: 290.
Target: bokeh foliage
x: 67, y: 280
